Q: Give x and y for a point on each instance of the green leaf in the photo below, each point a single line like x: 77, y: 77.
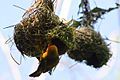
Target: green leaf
x: 81, y: 4
x: 74, y: 23
x: 97, y: 9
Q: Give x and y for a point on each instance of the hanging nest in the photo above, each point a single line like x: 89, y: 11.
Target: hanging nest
x: 29, y: 34
x: 90, y: 46
x: 39, y: 27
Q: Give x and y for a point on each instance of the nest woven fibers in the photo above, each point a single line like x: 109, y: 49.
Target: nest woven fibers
x: 38, y: 28
x: 90, y: 46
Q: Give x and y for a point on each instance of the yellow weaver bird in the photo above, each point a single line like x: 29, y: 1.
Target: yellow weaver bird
x: 48, y: 61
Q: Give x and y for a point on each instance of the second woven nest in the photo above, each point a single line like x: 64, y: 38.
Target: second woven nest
x: 91, y: 47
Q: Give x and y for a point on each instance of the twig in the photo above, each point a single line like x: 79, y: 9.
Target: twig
x: 19, y: 7
x: 112, y: 40
x: 9, y: 26
x: 15, y: 60
x: 13, y: 57
x: 9, y: 40
x: 73, y: 65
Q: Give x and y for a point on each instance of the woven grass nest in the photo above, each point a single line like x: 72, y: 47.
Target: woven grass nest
x: 39, y: 27
x: 91, y: 47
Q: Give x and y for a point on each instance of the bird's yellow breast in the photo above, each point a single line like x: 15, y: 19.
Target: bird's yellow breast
x: 51, y: 51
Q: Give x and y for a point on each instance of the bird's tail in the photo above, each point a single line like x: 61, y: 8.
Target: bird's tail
x: 37, y: 73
